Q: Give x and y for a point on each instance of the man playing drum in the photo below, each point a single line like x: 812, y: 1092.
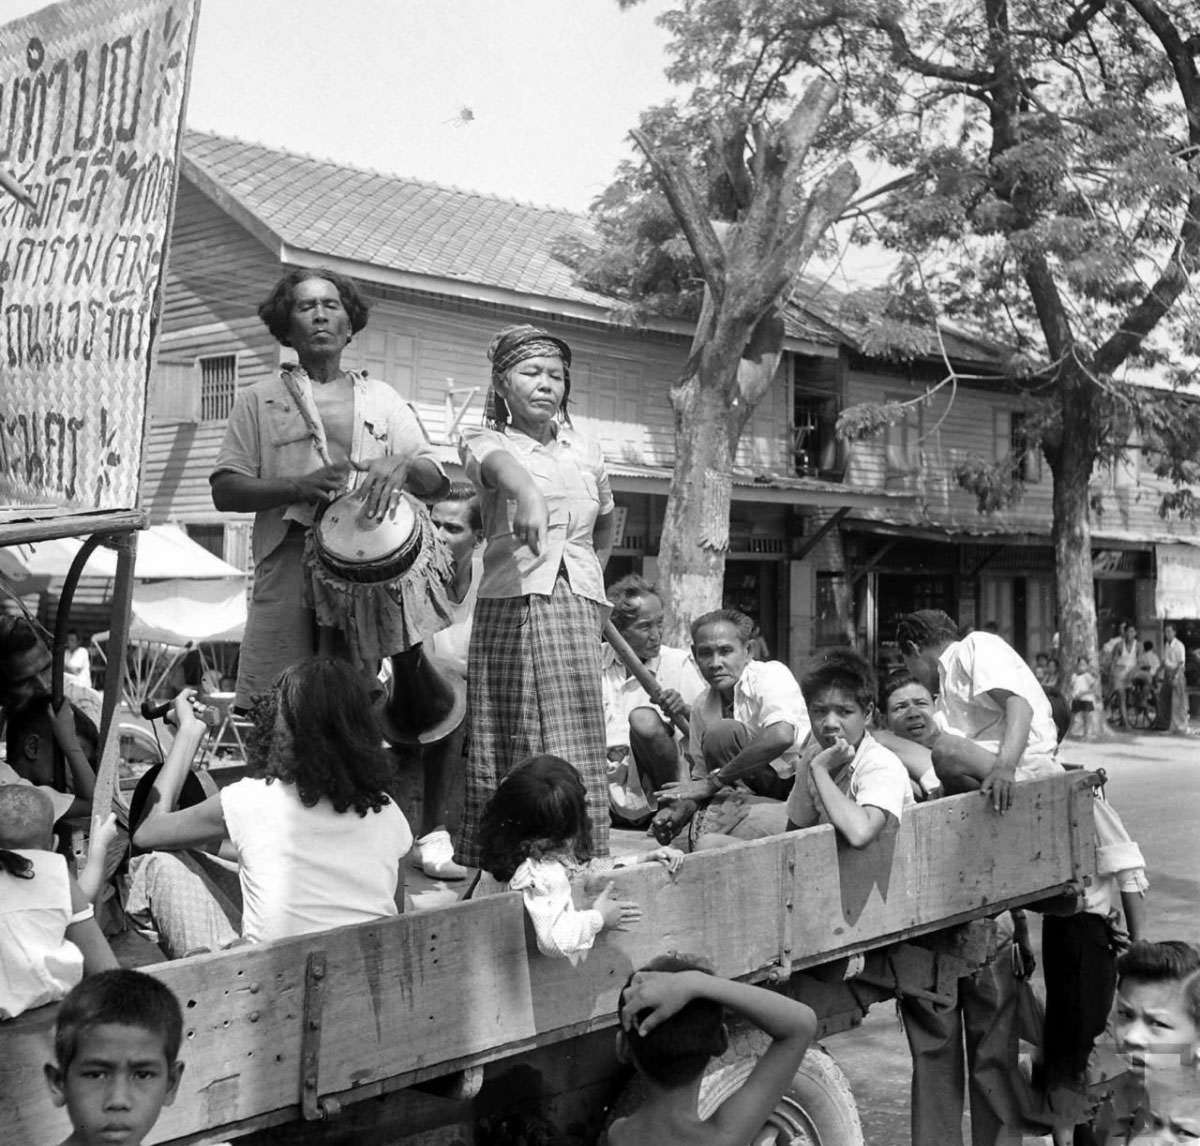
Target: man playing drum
x: 297, y: 440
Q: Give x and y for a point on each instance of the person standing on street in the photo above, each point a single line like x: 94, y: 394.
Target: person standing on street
x: 1173, y: 701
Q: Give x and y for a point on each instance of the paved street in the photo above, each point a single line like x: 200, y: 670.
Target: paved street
x: 1154, y: 781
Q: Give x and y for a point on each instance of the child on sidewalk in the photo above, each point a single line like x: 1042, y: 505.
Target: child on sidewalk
x: 49, y: 937
x: 672, y: 1024
x: 534, y: 835
x: 115, y: 1065
x: 1084, y: 693
x: 847, y: 778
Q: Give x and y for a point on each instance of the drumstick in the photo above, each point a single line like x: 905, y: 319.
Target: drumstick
x: 640, y: 672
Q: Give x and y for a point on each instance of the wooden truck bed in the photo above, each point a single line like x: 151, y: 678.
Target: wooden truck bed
x: 273, y: 1032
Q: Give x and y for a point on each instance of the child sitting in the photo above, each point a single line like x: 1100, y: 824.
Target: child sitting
x: 846, y: 778
x: 535, y: 833
x: 672, y: 1024
x: 115, y: 1065
x: 48, y: 934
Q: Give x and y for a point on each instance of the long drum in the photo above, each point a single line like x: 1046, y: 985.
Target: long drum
x: 381, y: 583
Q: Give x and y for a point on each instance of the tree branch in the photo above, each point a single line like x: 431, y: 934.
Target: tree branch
x: 1083, y: 15
x: 903, y: 54
x: 691, y: 212
x: 1173, y: 280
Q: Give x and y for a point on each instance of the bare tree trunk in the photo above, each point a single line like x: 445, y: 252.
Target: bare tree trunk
x: 710, y: 415
x: 1071, y: 464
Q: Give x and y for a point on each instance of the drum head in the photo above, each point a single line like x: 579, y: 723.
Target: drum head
x: 346, y: 535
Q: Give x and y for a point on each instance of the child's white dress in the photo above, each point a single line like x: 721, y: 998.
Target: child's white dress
x: 563, y: 930
x: 38, y: 963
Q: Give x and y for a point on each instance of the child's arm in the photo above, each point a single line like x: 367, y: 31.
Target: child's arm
x: 857, y: 824
x: 104, y: 831
x: 563, y: 930
x: 790, y: 1025
x: 1018, y: 717
x: 85, y: 933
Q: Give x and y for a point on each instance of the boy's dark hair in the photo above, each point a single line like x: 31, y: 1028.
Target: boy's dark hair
x: 680, y: 1047
x: 1169, y: 961
x: 746, y: 628
x: 894, y: 682
x: 37, y: 718
x: 466, y: 493
x: 539, y: 808
x: 626, y: 597
x: 333, y: 746
x: 276, y: 309
x: 130, y: 998
x: 925, y: 627
x: 842, y: 669
x: 1147, y: 646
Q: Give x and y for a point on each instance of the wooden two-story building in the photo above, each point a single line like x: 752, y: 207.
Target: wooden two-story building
x: 827, y: 541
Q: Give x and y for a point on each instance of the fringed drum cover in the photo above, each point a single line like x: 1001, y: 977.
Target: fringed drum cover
x: 386, y: 617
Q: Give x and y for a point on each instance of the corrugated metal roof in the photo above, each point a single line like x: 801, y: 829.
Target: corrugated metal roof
x: 422, y: 228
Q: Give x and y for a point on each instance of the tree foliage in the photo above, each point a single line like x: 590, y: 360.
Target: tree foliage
x: 1041, y: 182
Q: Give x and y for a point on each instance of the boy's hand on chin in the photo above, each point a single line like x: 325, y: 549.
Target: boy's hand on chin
x: 837, y: 754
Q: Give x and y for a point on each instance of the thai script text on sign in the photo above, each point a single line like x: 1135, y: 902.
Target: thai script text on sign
x: 91, y: 103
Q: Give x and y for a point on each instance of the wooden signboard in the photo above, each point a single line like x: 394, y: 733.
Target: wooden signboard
x: 419, y: 996
x: 92, y: 96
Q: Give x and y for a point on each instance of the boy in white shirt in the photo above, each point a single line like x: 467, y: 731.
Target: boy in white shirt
x: 846, y: 777
x: 989, y: 700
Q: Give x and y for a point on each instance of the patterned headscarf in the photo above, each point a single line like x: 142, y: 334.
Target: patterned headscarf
x: 513, y: 345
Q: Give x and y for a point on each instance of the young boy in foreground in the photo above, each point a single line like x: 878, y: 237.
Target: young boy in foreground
x: 672, y: 1024
x: 115, y: 1047
x: 1156, y: 1025
x: 848, y: 779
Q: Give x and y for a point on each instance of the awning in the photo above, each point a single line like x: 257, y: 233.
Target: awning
x: 163, y: 551
x: 179, y: 612
x: 1177, y: 590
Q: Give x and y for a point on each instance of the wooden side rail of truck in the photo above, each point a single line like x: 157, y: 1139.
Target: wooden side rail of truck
x: 415, y: 1029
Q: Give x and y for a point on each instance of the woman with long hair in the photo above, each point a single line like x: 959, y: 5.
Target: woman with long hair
x: 317, y: 838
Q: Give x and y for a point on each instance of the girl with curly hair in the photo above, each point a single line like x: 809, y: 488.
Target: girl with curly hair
x: 317, y: 839
x: 535, y: 835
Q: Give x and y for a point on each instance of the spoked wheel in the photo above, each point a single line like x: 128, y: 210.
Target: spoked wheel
x: 818, y: 1108
x: 1143, y: 712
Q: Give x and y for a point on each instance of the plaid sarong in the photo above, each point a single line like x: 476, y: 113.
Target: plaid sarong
x: 533, y: 686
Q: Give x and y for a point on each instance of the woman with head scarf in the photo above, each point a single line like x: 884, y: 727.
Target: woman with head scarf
x: 534, y: 662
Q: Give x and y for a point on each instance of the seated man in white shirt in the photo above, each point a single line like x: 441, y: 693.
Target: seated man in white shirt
x: 746, y: 727
x: 998, y: 724
x: 644, y: 750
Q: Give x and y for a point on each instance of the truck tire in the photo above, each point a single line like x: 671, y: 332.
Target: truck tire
x: 818, y: 1108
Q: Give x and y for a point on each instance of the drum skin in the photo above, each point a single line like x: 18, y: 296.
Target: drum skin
x: 382, y: 586
x: 367, y: 551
